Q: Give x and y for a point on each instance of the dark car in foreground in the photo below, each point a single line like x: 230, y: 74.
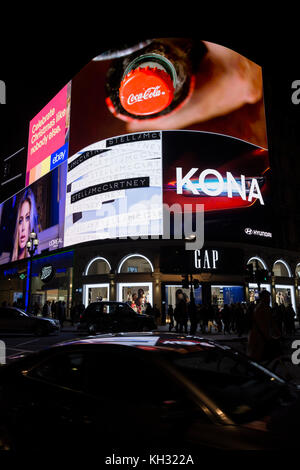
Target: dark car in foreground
x: 113, y: 316
x: 16, y: 320
x: 130, y: 392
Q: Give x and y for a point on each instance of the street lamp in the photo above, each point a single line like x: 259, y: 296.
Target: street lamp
x: 31, y: 245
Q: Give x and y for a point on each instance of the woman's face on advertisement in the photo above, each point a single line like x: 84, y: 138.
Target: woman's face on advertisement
x: 24, y: 224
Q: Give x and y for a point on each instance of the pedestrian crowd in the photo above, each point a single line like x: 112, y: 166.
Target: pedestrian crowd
x: 54, y: 309
x: 234, y: 318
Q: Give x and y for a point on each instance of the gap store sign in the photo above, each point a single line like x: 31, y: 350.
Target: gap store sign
x: 206, y: 259
x: 218, y: 260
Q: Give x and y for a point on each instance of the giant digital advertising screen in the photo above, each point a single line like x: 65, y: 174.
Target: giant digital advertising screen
x: 40, y: 207
x: 230, y: 177
x: 168, y: 121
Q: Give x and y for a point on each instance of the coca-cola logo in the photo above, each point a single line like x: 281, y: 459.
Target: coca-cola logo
x: 149, y: 93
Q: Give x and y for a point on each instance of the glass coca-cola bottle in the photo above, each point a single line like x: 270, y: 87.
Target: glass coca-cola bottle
x: 153, y: 80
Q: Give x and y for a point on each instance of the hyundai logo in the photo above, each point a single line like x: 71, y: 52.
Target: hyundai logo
x: 248, y: 231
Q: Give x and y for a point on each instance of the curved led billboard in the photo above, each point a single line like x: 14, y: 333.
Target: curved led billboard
x: 213, y: 89
x: 167, y: 121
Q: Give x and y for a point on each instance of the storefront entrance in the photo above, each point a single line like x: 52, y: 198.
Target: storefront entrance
x: 170, y: 294
x: 50, y: 295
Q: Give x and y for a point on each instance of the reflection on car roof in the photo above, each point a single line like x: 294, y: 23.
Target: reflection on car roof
x: 151, y: 341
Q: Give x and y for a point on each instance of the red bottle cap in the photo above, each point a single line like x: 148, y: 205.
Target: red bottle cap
x: 146, y: 91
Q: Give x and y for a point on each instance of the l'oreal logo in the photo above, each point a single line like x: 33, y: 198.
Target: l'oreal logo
x: 55, y: 242
x: 212, y: 183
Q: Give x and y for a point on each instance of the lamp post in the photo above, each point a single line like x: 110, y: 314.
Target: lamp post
x: 31, y: 245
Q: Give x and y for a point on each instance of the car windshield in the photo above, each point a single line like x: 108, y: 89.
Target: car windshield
x: 244, y: 390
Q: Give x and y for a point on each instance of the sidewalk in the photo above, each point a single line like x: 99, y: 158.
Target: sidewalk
x: 165, y: 328
x: 213, y: 336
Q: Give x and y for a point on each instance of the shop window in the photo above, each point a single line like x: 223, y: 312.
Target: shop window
x: 297, y: 271
x: 283, y: 296
x: 137, y: 295
x: 98, y: 266
x: 170, y: 293
x: 281, y: 269
x: 254, y: 292
x: 221, y: 295
x: 135, y: 264
x: 95, y: 293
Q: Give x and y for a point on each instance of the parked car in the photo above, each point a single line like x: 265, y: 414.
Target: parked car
x: 113, y: 316
x: 139, y: 392
x: 16, y: 320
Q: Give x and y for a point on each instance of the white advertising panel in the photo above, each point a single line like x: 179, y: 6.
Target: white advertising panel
x: 114, y: 189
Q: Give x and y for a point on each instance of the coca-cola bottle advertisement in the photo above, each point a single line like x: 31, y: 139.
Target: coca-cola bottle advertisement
x: 166, y: 84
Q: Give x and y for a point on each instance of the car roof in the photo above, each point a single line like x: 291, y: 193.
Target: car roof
x: 12, y: 307
x: 151, y: 341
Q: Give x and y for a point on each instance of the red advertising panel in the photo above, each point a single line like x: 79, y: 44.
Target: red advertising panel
x: 48, y: 136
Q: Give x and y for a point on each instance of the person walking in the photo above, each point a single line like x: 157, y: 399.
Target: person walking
x: 73, y: 313
x: 298, y: 315
x: 45, y: 309
x: 193, y: 314
x: 180, y: 312
x: 264, y: 335
x: 60, y: 313
x: 290, y: 314
x: 63, y: 313
x: 171, y: 317
x: 53, y: 309
x: 163, y: 317
x: 226, y: 319
x: 277, y: 316
x: 239, y: 319
x: 203, y: 318
x: 156, y: 314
